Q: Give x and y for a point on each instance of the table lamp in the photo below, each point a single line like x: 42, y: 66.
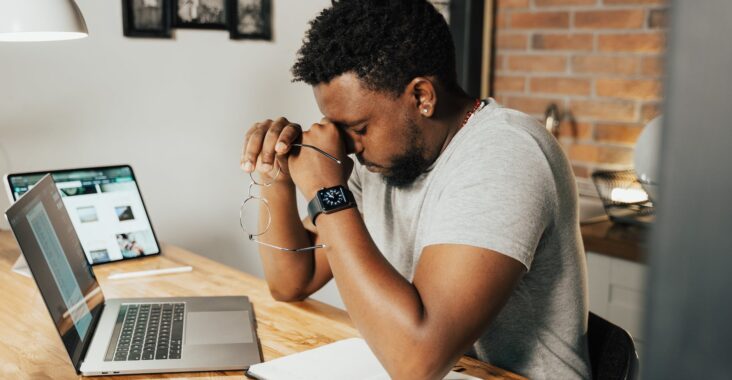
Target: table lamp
x: 646, y: 157
x: 41, y: 20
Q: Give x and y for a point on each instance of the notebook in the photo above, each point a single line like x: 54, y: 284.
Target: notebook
x: 345, y: 359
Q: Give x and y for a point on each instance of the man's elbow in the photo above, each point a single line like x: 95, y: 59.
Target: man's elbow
x: 287, y: 295
x: 425, y: 363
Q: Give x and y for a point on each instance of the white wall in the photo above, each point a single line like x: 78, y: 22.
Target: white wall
x: 176, y: 110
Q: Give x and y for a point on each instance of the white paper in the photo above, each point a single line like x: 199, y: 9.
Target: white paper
x: 345, y: 359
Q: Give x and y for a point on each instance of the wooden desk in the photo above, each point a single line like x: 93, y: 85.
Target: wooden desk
x: 616, y: 240
x: 30, y: 346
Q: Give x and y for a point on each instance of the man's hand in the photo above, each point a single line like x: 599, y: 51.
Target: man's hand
x: 311, y: 170
x: 267, y: 145
x: 291, y: 277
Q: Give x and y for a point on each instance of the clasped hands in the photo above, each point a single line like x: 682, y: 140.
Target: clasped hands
x: 268, y: 147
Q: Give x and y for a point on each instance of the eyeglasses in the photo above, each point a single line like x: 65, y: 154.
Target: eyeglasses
x: 264, y: 203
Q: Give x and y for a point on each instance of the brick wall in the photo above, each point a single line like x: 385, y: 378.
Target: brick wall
x: 598, y: 60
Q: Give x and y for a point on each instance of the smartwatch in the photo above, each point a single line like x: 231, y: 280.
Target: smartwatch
x: 329, y: 200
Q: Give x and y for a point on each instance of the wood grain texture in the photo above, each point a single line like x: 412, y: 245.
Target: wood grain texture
x: 625, y: 242
x: 30, y: 347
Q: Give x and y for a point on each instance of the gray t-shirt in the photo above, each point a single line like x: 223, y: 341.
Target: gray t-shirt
x: 503, y: 183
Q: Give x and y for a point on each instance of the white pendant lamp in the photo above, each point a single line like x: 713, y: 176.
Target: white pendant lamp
x: 41, y: 20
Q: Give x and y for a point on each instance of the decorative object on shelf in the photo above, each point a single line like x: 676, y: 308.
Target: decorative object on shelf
x: 552, y: 119
x: 41, y: 20
x: 200, y: 14
x: 623, y: 197
x: 146, y: 18
x: 647, y: 151
x: 250, y: 19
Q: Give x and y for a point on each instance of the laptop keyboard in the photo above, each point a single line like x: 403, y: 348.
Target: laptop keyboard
x: 147, y: 332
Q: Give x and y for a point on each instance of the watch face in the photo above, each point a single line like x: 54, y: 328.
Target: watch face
x: 332, y: 198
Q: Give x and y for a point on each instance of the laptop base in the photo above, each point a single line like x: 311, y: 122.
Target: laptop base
x: 219, y: 334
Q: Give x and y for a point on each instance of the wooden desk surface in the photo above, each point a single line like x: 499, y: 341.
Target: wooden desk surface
x: 616, y: 240
x: 30, y: 346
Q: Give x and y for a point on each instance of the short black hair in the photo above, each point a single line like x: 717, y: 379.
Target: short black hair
x: 386, y: 43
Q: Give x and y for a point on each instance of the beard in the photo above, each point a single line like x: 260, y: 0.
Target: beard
x: 405, y: 168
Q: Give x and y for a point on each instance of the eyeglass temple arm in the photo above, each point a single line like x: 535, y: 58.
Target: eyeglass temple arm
x: 320, y: 151
x: 252, y: 238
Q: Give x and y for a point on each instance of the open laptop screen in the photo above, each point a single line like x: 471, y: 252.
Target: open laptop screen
x: 54, y: 255
x: 105, y: 207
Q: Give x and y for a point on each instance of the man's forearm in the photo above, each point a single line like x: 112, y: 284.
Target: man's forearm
x: 386, y: 308
x: 287, y: 273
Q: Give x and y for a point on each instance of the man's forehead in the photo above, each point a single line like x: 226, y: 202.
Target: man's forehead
x: 343, y: 99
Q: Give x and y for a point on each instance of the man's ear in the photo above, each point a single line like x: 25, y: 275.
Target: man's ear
x: 424, y: 95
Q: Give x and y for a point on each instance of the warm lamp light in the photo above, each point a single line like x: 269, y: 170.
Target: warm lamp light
x: 628, y: 195
x: 41, y: 20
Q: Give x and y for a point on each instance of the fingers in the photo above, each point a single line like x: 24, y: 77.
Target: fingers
x: 265, y: 140
x: 253, y: 144
x: 345, y: 135
x: 282, y: 143
x: 267, y: 153
x: 289, y: 135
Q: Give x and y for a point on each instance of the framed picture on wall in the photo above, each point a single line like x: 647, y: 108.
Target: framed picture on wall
x: 199, y: 14
x: 250, y: 19
x: 146, y: 18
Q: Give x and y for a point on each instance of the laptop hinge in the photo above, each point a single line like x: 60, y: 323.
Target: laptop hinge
x: 92, y: 330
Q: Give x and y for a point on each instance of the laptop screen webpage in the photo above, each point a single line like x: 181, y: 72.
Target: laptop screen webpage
x: 105, y: 207
x: 53, y: 252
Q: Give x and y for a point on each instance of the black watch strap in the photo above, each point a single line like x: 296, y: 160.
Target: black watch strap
x: 315, y: 206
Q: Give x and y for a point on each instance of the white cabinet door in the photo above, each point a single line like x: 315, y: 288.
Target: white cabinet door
x: 598, y: 281
x: 617, y: 290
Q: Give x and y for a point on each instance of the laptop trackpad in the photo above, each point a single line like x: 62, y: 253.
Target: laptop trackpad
x: 218, y: 327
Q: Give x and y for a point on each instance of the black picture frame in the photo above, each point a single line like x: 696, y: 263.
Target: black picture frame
x: 152, y: 22
x: 209, y: 14
x: 257, y: 14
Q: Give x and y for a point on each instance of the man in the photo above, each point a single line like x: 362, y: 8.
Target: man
x: 466, y: 233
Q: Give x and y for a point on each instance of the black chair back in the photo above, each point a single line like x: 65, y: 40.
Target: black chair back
x: 612, y: 351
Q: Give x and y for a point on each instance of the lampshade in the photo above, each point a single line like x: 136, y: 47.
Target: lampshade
x: 41, y: 20
x: 646, y: 158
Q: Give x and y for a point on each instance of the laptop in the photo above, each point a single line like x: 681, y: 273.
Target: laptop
x: 105, y: 206
x: 124, y: 336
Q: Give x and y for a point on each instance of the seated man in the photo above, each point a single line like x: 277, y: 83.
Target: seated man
x: 466, y: 234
